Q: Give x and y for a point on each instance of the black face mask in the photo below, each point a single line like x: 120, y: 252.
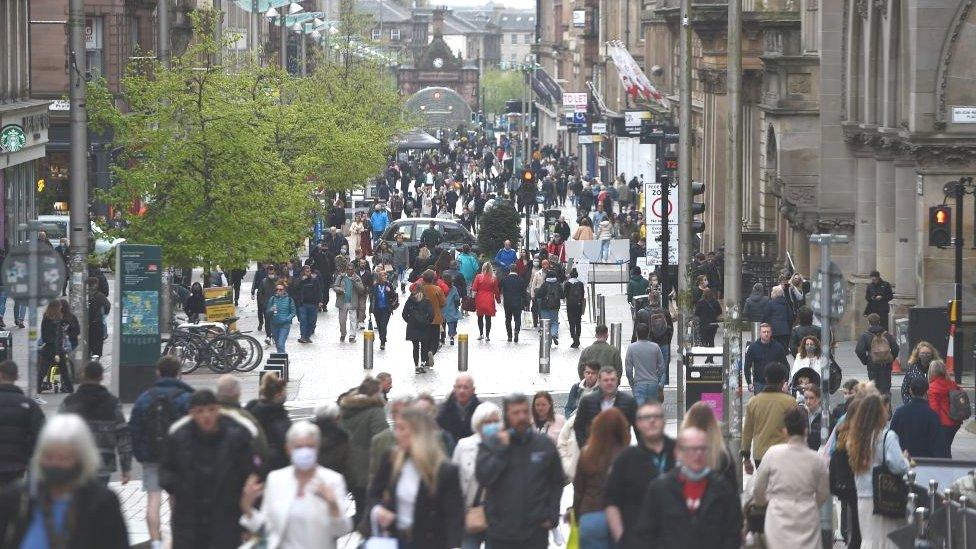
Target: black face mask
x: 60, y: 476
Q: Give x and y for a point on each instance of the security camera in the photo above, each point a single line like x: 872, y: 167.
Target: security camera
x: 657, y: 71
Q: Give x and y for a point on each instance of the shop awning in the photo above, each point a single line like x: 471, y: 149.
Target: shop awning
x: 417, y: 139
x: 546, y: 89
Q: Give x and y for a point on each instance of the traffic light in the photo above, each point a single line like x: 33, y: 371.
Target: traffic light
x: 697, y: 208
x: 940, y: 219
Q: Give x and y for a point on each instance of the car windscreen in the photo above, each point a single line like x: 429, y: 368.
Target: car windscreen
x: 453, y: 232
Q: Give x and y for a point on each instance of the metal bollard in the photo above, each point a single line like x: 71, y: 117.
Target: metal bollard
x: 933, y: 494
x: 462, y: 340
x: 368, y: 337
x: 755, y: 331
x: 601, y: 310
x: 963, y: 500
x: 545, y: 343
x: 947, y: 501
x: 616, y: 336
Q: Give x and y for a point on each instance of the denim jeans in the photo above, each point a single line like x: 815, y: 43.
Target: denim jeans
x: 644, y: 391
x: 280, y: 334
x: 451, y: 329
x: 472, y: 541
x: 666, y: 352
x: 594, y: 533
x: 3, y: 302
x: 553, y: 316
x: 20, y: 310
x: 307, y: 317
x: 605, y: 249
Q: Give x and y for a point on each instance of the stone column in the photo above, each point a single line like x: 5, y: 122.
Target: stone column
x: 885, y: 217
x: 800, y: 250
x: 906, y: 230
x: 865, y: 222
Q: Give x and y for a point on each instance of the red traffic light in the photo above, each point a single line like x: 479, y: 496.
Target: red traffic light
x: 941, y: 217
x: 940, y: 233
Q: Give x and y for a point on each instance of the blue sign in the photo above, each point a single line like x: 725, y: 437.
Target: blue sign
x: 579, y: 118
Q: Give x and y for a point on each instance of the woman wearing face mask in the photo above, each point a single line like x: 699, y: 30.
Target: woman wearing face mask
x: 918, y: 366
x: 63, y: 505
x: 269, y: 410
x: 304, y: 504
x: 700, y: 416
x: 486, y: 422
x: 807, y: 356
x: 416, y: 493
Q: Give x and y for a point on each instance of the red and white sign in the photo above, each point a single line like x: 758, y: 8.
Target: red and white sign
x: 578, y: 101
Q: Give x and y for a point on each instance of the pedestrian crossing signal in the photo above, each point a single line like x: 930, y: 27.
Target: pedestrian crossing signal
x: 940, y: 234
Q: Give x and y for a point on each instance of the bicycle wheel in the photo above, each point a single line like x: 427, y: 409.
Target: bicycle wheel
x: 253, y: 352
x: 224, y: 354
x: 186, y: 348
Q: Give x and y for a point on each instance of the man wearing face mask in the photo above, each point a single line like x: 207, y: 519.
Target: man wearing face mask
x: 521, y: 470
x: 691, y: 506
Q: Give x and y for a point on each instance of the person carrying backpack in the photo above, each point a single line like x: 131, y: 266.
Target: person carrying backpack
x: 575, y: 292
x: 551, y: 295
x: 661, y: 330
x: 153, y: 413
x: 877, y: 349
x: 949, y: 401
x: 418, y: 314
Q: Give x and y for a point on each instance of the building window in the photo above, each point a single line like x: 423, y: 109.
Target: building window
x: 514, y: 39
x: 376, y: 35
x: 395, y: 34
x: 514, y: 59
x: 94, y: 51
x: 527, y: 39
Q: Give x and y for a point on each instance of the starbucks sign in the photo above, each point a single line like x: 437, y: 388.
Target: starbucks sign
x: 12, y: 138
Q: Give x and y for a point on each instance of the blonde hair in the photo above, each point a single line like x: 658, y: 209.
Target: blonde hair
x: 425, y: 447
x: 700, y: 416
x: 777, y: 291
x: 423, y: 253
x: 913, y: 358
x: 486, y: 270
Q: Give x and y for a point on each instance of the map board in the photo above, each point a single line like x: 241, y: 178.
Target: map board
x: 136, y: 318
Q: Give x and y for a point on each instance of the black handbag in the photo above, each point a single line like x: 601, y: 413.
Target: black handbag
x: 890, y: 490
x: 841, y: 476
x: 836, y: 375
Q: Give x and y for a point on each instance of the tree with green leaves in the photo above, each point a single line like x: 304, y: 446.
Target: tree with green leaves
x: 498, y: 224
x: 501, y: 86
x: 223, y: 164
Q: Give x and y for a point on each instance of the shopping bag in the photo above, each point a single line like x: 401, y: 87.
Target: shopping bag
x: 573, y: 542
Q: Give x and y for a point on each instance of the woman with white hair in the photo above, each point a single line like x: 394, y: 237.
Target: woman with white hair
x: 485, y: 421
x: 334, y: 446
x: 64, y: 505
x: 304, y: 504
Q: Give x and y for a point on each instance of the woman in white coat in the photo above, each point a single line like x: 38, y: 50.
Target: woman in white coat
x: 486, y: 417
x: 793, y: 482
x: 304, y: 504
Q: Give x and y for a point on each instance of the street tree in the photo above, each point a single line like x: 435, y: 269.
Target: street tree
x: 501, y: 86
x: 498, y: 224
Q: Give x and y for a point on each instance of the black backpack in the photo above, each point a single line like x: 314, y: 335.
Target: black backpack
x: 657, y: 322
x: 575, y: 293
x: 423, y: 311
x: 157, y: 419
x: 550, y: 296
x: 841, y: 475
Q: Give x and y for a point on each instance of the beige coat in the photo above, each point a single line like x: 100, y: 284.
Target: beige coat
x: 793, y: 480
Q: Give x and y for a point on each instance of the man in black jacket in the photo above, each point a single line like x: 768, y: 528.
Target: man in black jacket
x: 21, y: 420
x: 309, y: 299
x: 204, y: 467
x: 522, y: 471
x: 878, y: 294
x: 513, y: 299
x: 758, y: 355
x: 454, y: 416
x: 691, y: 506
x: 608, y: 396
x: 102, y: 412
x: 877, y: 349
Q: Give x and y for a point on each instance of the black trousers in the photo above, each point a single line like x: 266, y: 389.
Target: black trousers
x: 382, y: 321
x: 538, y: 540
x: 261, y: 313
x: 510, y: 314
x: 575, y: 315
x: 880, y: 374
x: 484, y: 325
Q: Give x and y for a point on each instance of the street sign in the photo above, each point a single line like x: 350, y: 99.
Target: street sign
x: 579, y: 118
x: 653, y: 211
x: 598, y: 127
x: 833, y: 283
x: 50, y: 274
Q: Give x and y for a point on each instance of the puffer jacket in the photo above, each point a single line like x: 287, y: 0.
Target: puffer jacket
x: 755, y: 309
x: 363, y: 417
x: 102, y: 411
x: 21, y: 420
x: 274, y: 422
x: 779, y: 316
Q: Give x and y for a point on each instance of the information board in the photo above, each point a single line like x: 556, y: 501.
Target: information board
x: 136, y: 318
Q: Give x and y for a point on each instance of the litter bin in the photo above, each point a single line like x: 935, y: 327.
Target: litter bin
x: 703, y: 381
x: 6, y: 345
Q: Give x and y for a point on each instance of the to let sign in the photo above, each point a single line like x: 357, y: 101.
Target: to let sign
x: 578, y: 101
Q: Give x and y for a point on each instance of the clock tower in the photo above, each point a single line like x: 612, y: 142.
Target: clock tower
x: 436, y: 66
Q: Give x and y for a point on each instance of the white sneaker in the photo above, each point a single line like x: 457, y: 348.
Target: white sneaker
x: 40, y: 401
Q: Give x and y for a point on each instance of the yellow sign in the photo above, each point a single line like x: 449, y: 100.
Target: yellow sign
x: 219, y: 303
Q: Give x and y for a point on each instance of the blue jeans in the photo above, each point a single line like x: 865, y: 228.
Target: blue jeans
x: 452, y: 329
x: 472, y: 541
x: 645, y: 391
x: 20, y: 310
x: 605, y: 249
x: 308, y: 315
x: 280, y: 334
x: 3, y: 302
x: 594, y: 533
x: 757, y: 387
x: 553, y: 316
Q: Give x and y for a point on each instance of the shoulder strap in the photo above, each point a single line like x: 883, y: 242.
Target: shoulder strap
x: 479, y: 496
x: 884, y: 451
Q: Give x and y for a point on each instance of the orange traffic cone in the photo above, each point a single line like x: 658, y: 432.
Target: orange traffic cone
x: 896, y: 366
x: 949, y: 359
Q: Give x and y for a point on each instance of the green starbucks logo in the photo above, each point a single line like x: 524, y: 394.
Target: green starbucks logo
x: 12, y: 138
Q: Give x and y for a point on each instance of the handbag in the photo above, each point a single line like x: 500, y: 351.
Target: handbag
x: 890, y: 491
x: 475, y: 521
x: 574, y: 536
x: 836, y: 374
x: 377, y: 541
x: 841, y: 475
x: 467, y: 303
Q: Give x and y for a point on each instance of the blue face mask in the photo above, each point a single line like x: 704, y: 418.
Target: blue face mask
x: 489, y: 430
x: 693, y: 476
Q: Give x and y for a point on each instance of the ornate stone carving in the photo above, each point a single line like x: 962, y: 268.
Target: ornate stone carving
x: 942, y: 155
x: 713, y: 81
x: 940, y: 91
x: 862, y: 8
x: 836, y: 223
x: 798, y: 83
x: 803, y: 196
x: 881, y: 6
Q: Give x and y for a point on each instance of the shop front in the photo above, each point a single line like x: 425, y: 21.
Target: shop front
x: 23, y: 140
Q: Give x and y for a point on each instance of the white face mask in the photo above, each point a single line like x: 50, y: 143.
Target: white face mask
x: 304, y: 458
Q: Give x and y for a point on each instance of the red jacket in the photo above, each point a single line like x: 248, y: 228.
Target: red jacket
x: 939, y: 399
